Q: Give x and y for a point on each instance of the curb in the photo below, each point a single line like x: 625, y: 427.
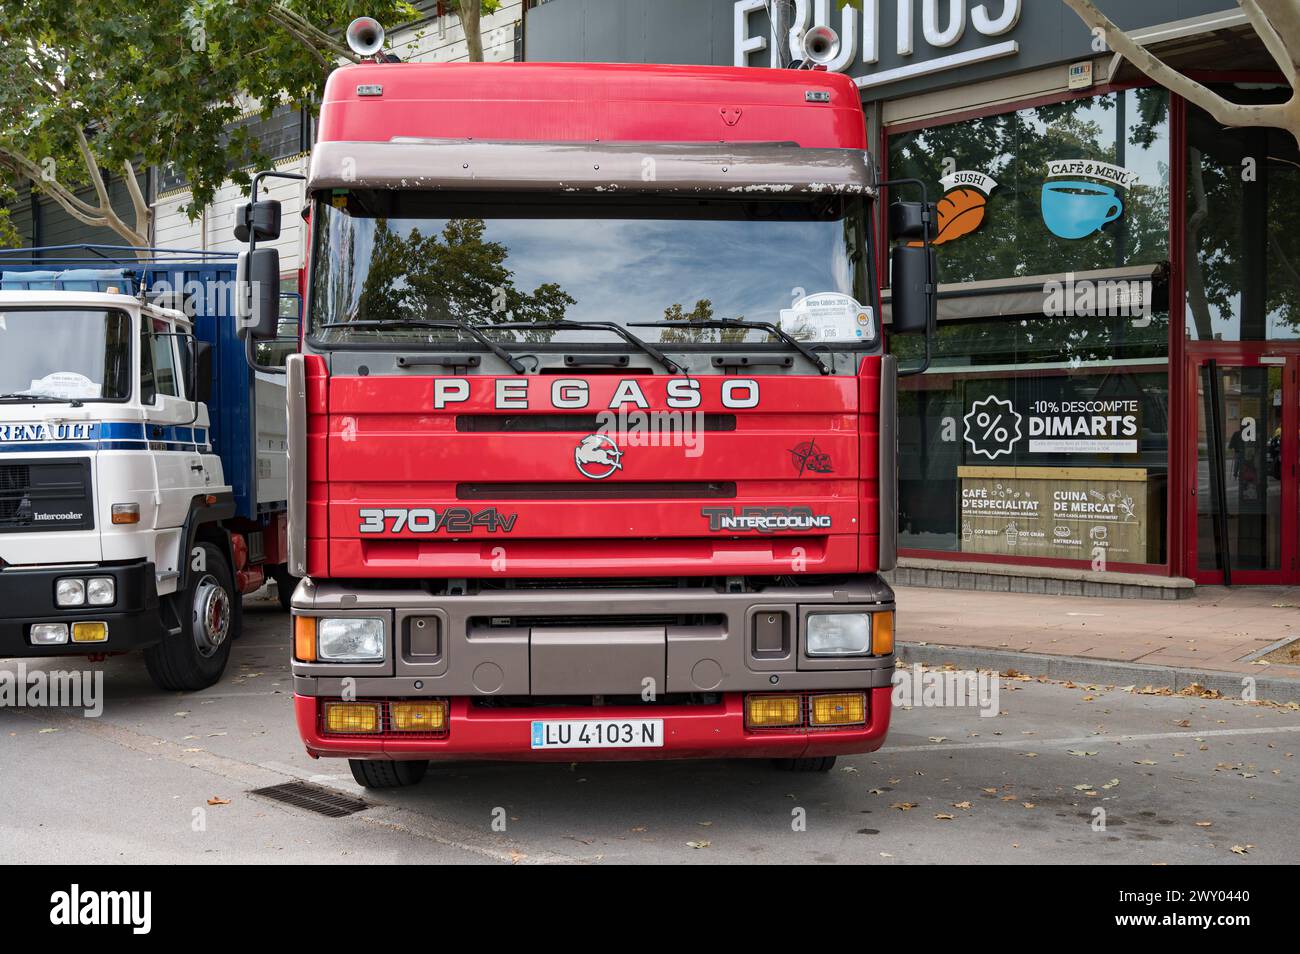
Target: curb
x: 1099, y: 671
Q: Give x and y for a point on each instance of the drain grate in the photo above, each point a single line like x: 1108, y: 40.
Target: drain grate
x: 314, y: 798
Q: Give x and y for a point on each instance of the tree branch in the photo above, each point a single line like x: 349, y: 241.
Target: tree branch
x: 57, y: 191
x: 309, y: 35
x: 1228, y: 113
x: 1272, y: 41
x: 143, y: 214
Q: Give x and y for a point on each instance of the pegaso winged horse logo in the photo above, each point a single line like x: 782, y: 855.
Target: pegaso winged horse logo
x: 597, y: 457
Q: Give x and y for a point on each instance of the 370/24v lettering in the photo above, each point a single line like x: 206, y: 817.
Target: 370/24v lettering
x: 428, y: 520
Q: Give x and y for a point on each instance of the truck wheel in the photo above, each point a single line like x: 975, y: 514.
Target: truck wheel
x: 284, y: 586
x: 821, y: 763
x: 196, y: 657
x: 381, y: 773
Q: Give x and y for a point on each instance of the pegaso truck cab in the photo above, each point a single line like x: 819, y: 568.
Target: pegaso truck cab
x: 141, y: 491
x: 591, y: 439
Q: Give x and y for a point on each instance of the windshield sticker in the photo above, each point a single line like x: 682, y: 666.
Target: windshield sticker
x: 1078, y: 206
x: 828, y: 316
x: 65, y: 384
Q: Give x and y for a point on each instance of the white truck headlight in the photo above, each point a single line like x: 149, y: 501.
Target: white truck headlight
x: 49, y: 634
x: 100, y: 591
x: 838, y: 634
x: 70, y: 592
x: 350, y: 640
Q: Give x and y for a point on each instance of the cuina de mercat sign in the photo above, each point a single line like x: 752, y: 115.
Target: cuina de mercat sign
x: 865, y: 26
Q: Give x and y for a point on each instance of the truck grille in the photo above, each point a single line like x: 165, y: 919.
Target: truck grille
x: 46, y: 495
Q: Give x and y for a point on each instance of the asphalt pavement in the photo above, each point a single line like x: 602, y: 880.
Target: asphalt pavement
x: 1064, y: 774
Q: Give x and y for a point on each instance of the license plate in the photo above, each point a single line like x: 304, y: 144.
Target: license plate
x: 598, y: 734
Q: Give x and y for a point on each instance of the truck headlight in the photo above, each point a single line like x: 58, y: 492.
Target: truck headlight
x: 838, y: 634
x: 100, y: 591
x: 70, y: 592
x: 350, y: 640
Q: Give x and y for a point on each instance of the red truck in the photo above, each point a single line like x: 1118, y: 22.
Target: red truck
x: 591, y: 434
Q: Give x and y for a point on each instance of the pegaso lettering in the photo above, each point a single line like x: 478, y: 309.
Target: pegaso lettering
x: 574, y: 394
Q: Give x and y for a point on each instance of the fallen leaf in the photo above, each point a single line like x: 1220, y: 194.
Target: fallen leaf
x: 1080, y: 752
x: 961, y: 805
x: 1029, y: 804
x: 937, y: 738
x: 904, y: 806
x: 218, y: 800
x: 698, y: 844
x: 1204, y: 824
x: 1146, y: 762
x: 944, y: 816
x: 1240, y: 850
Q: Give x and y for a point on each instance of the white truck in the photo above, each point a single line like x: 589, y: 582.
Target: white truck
x: 142, y: 463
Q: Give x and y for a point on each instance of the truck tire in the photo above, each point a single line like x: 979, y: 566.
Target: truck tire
x: 284, y: 585
x: 381, y: 773
x: 821, y: 763
x: 196, y: 657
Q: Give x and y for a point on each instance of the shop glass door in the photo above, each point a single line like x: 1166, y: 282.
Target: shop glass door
x: 1245, y: 474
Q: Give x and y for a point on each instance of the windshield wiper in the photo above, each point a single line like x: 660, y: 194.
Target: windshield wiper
x: 737, y: 323
x: 443, y: 324
x: 669, y: 365
x: 39, y: 399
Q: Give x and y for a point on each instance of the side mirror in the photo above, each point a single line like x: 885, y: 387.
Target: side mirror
x: 201, y: 378
x: 258, y: 219
x: 914, y: 302
x: 257, y: 293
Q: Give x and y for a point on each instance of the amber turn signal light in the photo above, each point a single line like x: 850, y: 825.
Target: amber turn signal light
x: 882, y: 634
x: 304, y: 638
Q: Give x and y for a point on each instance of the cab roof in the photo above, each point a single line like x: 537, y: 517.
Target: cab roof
x: 586, y: 102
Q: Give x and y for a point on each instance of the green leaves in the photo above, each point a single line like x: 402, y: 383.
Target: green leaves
x: 157, y: 82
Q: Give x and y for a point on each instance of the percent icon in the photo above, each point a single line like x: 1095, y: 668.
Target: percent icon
x: 992, y: 427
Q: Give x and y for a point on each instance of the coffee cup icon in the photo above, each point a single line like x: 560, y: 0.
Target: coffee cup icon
x: 1074, y: 210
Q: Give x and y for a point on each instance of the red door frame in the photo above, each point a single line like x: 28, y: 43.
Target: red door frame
x: 1247, y: 355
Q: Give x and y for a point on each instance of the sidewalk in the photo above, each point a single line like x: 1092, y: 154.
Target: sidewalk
x: 1214, y: 638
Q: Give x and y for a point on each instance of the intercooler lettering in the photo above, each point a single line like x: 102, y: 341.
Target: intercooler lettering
x: 428, y: 520
x: 765, y: 519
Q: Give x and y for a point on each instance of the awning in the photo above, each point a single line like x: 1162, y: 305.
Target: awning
x: 758, y: 169
x: 1107, y: 291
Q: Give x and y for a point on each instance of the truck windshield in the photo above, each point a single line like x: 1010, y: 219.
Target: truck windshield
x: 64, y: 354
x: 392, y: 259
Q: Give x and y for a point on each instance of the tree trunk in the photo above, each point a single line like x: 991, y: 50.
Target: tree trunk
x: 470, y: 13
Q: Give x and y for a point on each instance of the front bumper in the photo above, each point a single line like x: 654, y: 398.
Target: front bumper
x: 586, y: 652
x: 27, y: 597
x: 715, y: 731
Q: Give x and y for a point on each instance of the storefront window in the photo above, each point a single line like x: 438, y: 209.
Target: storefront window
x: 1041, y: 429
x: 1069, y: 186
x: 1243, y: 256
